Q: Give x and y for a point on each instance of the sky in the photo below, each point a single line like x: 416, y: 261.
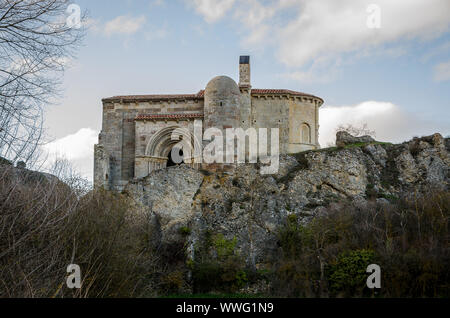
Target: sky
x: 382, y: 63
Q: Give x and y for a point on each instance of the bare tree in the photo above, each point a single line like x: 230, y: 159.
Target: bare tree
x: 35, y: 45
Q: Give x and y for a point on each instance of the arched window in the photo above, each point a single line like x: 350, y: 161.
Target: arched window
x: 306, y: 133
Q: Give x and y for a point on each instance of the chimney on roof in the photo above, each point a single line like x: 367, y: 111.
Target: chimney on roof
x: 244, y: 71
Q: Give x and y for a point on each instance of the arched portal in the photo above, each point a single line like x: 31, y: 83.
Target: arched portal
x: 161, y: 143
x: 160, y: 146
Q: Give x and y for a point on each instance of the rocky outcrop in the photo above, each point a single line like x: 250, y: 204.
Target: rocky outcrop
x: 169, y: 194
x: 251, y: 206
x: 343, y: 139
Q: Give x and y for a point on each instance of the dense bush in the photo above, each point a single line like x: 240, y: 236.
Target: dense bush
x: 112, y: 244
x: 218, y: 267
x: 409, y: 239
x: 347, y: 274
x: 45, y: 226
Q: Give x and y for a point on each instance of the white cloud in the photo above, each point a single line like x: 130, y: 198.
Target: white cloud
x: 442, y: 72
x: 252, y: 13
x: 390, y: 122
x: 327, y: 28
x: 212, y: 10
x: 320, y: 71
x: 302, y: 31
x: 77, y: 148
x: 124, y: 24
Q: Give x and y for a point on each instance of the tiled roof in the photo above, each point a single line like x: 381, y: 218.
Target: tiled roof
x: 277, y: 91
x: 282, y: 92
x: 256, y: 91
x: 168, y: 116
x: 201, y: 95
x: 152, y: 97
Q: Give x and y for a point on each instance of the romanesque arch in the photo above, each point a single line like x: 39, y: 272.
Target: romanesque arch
x: 161, y: 143
x: 160, y: 146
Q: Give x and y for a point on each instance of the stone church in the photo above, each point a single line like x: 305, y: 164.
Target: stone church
x: 136, y: 131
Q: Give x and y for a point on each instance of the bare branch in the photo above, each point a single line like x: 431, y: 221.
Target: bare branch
x: 35, y: 45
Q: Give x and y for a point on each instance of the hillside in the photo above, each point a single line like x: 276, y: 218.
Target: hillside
x: 309, y: 231
x: 251, y: 207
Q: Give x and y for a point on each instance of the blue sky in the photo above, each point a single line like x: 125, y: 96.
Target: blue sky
x: 395, y: 78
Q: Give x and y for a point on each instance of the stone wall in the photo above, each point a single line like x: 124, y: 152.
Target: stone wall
x: 302, y: 112
x: 272, y: 112
x: 118, y: 137
x: 288, y: 114
x: 111, y: 141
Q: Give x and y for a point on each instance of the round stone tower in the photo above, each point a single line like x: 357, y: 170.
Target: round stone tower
x: 222, y: 98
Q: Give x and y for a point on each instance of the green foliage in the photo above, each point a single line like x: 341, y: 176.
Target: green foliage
x: 185, y: 231
x: 223, y: 247
x: 241, y: 278
x: 348, y: 273
x: 292, y: 220
x: 218, y: 266
x: 389, y: 197
x: 292, y: 237
x: 329, y: 255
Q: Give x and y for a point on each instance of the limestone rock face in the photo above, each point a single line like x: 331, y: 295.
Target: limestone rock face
x: 251, y: 206
x: 343, y: 139
x: 169, y: 194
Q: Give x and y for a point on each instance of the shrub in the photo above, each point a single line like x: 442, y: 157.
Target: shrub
x: 218, y: 266
x: 347, y: 274
x: 111, y: 245
x: 185, y: 231
x: 173, y: 282
x: 46, y: 226
x: 329, y: 256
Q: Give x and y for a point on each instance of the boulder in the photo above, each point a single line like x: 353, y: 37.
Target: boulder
x: 343, y: 139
